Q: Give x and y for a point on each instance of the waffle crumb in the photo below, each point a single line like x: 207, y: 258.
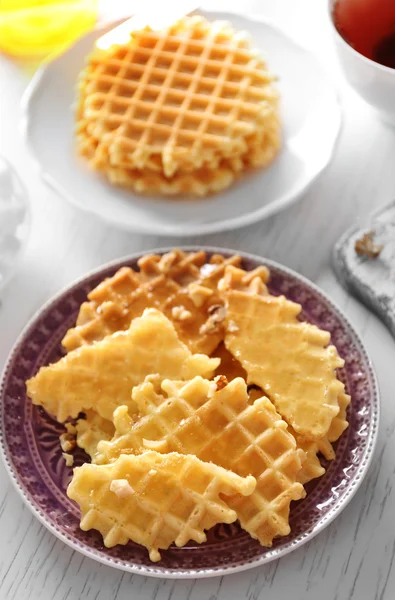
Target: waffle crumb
x: 215, y: 321
x: 212, y: 389
x: 121, y: 488
x: 365, y: 246
x: 232, y: 327
x: 199, y: 294
x: 68, y: 458
x: 180, y: 313
x: 221, y: 382
x: 67, y: 442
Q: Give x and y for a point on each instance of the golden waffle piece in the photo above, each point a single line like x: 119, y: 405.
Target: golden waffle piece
x: 91, y: 430
x: 101, y: 376
x: 181, y: 284
x: 187, y: 95
x: 290, y: 360
x: 155, y: 499
x: 312, y: 467
x: 218, y: 425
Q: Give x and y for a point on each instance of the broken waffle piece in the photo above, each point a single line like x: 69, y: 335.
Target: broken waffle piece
x: 292, y: 361
x: 221, y: 427
x: 178, y: 283
x: 101, y: 376
x: 155, y: 499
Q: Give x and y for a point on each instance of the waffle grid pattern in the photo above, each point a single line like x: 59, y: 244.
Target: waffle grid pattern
x: 171, y: 498
x: 277, y: 319
x: 168, y: 91
x: 225, y: 430
x: 162, y: 282
x: 114, y: 365
x: 236, y: 280
x: 179, y: 110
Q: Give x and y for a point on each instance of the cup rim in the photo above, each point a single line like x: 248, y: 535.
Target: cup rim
x: 365, y: 59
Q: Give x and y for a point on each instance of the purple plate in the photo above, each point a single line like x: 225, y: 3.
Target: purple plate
x: 31, y: 451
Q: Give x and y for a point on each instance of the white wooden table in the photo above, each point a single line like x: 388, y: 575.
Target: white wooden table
x: 354, y: 558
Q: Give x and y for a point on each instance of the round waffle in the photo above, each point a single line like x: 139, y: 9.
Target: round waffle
x: 178, y: 100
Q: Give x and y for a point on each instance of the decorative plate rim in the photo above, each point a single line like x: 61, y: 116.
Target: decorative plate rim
x: 264, y: 212
x: 271, y: 555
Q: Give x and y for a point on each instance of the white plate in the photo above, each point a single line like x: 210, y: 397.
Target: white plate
x: 311, y: 115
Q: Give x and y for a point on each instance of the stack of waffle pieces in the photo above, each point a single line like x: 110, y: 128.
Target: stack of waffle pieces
x: 183, y: 110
